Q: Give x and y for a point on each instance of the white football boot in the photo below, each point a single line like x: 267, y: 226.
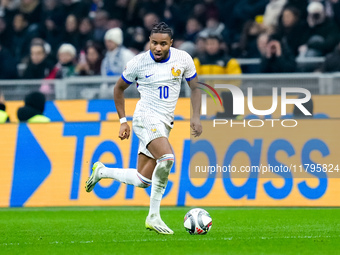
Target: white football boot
x: 155, y: 223
x: 94, y: 177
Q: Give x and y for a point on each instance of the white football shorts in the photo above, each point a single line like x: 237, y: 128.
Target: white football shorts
x: 148, y: 128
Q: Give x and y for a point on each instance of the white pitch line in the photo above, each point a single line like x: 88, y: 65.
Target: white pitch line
x: 181, y: 239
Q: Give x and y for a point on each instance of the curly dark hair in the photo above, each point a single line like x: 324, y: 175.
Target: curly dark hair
x: 162, y: 28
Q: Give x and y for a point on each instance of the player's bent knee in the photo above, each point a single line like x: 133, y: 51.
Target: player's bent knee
x: 143, y: 181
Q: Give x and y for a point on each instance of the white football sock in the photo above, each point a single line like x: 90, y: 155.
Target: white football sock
x: 159, y: 182
x: 128, y: 176
x: 154, y: 207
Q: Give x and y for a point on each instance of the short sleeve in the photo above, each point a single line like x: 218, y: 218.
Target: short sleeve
x: 190, y: 70
x: 129, y: 74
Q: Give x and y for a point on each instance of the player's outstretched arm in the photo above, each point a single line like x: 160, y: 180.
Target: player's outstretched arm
x: 118, y: 96
x: 196, y: 107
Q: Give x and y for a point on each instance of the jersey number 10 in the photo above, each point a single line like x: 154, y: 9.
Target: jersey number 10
x: 163, y: 92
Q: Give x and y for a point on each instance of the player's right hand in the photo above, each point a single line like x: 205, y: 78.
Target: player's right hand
x: 196, y: 127
x: 124, y: 132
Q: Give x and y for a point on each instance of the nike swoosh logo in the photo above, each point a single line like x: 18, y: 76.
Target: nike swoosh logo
x: 147, y: 76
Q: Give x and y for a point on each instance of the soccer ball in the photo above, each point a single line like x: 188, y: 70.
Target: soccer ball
x: 197, y: 221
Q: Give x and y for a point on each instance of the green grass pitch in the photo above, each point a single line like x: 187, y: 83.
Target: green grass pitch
x: 120, y: 230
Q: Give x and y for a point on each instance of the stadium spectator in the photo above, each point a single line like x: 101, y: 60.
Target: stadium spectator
x: 113, y: 23
x: 52, y: 8
x: 118, y: 9
x: 4, y: 118
x: 211, y: 9
x: 79, y: 8
x: 115, y: 60
x: 22, y: 37
x: 8, y: 8
x: 247, y: 46
x: 8, y: 68
x: 117, y: 55
x: 292, y: 29
x: 5, y: 33
x: 100, y: 21
x: 214, y: 26
x: 85, y: 32
x: 334, y: 10
x: 148, y: 21
x: 66, y: 62
x: 199, y: 12
x: 301, y: 5
x: 178, y: 41
x: 173, y: 15
x: 262, y: 41
x: 200, y: 45
x: 32, y: 9
x: 243, y: 11
x: 179, y: 21
x: 53, y: 24
x: 188, y: 47
x: 192, y: 28
x: 227, y: 7
x: 205, y: 10
x: 215, y: 60
x: 90, y: 63
x: 144, y: 7
x: 40, y: 65
x: 276, y: 57
x: 71, y: 34
x: 272, y: 13
x: 138, y: 36
x: 332, y: 62
x: 34, y: 108
x: 136, y: 39
x: 95, y: 6
x: 323, y: 34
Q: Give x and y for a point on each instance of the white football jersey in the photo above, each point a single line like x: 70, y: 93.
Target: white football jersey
x: 159, y: 83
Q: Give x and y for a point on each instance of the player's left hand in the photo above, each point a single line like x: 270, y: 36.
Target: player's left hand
x: 196, y: 127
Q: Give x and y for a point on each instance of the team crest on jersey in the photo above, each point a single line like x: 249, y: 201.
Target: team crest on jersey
x: 175, y: 73
x: 154, y: 130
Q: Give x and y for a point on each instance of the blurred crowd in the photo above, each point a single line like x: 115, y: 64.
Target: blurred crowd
x: 63, y: 38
